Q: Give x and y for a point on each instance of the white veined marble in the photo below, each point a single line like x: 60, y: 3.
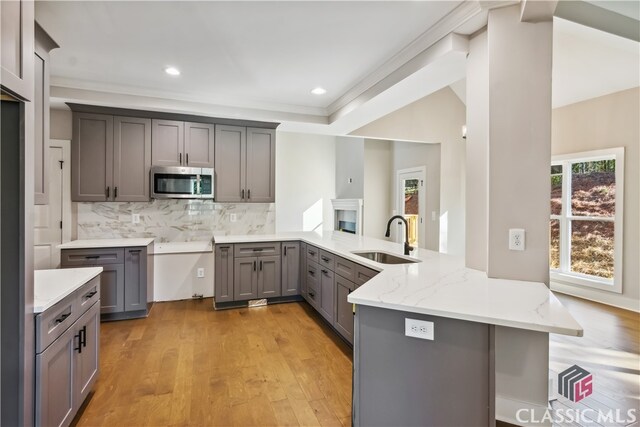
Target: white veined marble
x: 106, y: 243
x: 51, y: 286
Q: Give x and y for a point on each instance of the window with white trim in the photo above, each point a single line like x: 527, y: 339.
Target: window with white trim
x: 586, y: 219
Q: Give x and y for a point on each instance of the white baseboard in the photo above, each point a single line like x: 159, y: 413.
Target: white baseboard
x: 507, y: 411
x: 602, y: 297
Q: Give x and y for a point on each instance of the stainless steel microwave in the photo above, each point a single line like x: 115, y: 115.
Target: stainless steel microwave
x: 176, y: 182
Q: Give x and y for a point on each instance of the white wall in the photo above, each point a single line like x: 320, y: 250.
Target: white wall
x: 607, y: 122
x: 349, y: 168
x: 378, y: 171
x: 437, y: 118
x: 305, y: 181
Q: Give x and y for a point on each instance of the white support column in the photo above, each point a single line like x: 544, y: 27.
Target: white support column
x: 508, y: 158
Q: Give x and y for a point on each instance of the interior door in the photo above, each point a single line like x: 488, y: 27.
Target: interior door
x: 48, y: 218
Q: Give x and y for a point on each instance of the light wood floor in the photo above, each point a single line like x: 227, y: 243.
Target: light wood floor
x: 189, y: 365
x: 609, y: 349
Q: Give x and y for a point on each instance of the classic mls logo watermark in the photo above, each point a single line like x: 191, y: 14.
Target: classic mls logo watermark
x: 575, y: 383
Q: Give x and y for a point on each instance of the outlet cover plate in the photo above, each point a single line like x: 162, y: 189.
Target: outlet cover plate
x: 516, y: 239
x: 418, y: 329
x: 200, y: 273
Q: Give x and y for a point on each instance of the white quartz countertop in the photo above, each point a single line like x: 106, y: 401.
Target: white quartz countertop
x: 105, y: 243
x: 51, y: 286
x: 182, y: 247
x: 439, y: 285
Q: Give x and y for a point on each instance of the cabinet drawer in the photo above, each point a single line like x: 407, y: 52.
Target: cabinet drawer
x: 256, y: 249
x: 363, y: 274
x: 52, y: 323
x: 345, y: 268
x: 313, y: 253
x: 327, y: 260
x: 88, y: 294
x: 84, y: 257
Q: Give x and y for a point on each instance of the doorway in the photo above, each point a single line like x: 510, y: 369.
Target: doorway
x: 411, y: 204
x: 52, y: 221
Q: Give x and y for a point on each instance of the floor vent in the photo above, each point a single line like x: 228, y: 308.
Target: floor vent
x: 257, y: 302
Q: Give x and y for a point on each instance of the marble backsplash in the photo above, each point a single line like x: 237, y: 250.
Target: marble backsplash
x: 173, y: 220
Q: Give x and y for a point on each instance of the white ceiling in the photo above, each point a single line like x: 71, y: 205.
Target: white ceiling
x: 264, y: 55
x: 260, y: 60
x: 588, y: 63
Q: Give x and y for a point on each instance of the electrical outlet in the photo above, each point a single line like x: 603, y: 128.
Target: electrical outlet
x: 233, y: 217
x: 418, y: 329
x: 135, y: 218
x: 200, y: 273
x: 516, y: 239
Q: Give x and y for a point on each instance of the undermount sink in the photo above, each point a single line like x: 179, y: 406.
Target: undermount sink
x: 385, y: 258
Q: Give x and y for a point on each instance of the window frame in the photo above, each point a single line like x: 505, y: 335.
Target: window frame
x: 564, y: 274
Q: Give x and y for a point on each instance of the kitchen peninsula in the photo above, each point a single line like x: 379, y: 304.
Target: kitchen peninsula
x: 462, y: 308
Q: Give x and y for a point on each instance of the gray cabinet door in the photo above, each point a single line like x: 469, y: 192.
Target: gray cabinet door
x: 41, y: 137
x: 54, y: 381
x: 135, y: 279
x: 290, y: 268
x: 343, y: 321
x: 132, y: 159
x: 245, y: 278
x: 327, y: 285
x: 16, y: 54
x: 112, y: 288
x: 269, y: 276
x: 86, y: 363
x: 230, y: 163
x: 303, y: 269
x: 92, y: 158
x: 223, y: 281
x: 314, y: 290
x: 261, y: 165
x: 167, y: 143
x: 199, y: 145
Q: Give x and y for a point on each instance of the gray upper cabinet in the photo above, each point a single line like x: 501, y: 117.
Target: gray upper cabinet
x: 245, y: 164
x: 110, y: 158
x: 291, y: 268
x: 261, y: 162
x: 199, y: 146
x: 92, y: 158
x: 177, y: 143
x: 167, y: 143
x: 230, y: 164
x: 43, y: 45
x: 16, y: 53
x: 132, y: 159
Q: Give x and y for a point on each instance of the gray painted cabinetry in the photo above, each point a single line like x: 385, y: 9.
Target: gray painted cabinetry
x: 110, y: 158
x: 16, y: 55
x: 43, y: 45
x: 67, y: 348
x: 287, y: 271
x: 245, y: 164
x: 177, y: 143
x: 126, y: 279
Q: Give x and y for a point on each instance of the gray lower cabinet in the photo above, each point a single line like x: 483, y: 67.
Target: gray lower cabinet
x: 291, y: 268
x: 223, y: 281
x: 256, y: 277
x: 125, y: 278
x: 343, y: 313
x: 303, y: 270
x: 110, y: 158
x: 327, y: 292
x: 66, y: 360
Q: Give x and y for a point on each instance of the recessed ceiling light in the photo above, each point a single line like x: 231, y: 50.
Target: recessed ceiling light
x: 319, y: 91
x: 172, y: 71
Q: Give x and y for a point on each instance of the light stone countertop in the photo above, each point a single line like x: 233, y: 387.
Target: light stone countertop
x: 439, y: 285
x: 106, y: 243
x: 182, y: 247
x: 51, y: 286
